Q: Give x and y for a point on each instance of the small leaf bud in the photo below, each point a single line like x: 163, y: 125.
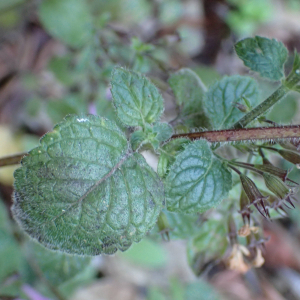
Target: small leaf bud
x: 276, y: 186
x: 254, y: 195
x: 269, y: 168
x: 241, y: 107
x: 290, y: 156
x: 232, y: 231
x: 163, y: 226
x: 245, y: 210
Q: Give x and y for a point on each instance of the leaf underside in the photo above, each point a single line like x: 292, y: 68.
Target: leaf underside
x: 197, y: 181
x: 82, y: 191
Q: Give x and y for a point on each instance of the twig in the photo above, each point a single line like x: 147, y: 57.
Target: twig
x: 245, y: 134
x: 11, y: 160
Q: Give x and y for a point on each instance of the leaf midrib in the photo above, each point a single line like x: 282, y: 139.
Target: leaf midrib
x: 91, y: 189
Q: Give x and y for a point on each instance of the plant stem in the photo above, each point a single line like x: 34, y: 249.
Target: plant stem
x: 245, y: 134
x: 11, y: 160
x: 218, y: 136
x: 289, y: 84
x: 279, y: 94
x: 246, y: 166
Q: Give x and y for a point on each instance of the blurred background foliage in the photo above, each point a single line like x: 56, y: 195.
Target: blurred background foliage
x: 56, y: 59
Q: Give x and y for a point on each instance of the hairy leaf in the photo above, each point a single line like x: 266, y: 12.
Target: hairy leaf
x: 153, y: 135
x: 136, y: 99
x: 168, y: 153
x: 83, y: 191
x: 67, y: 20
x: 138, y: 138
x: 56, y: 266
x: 263, y: 55
x: 221, y: 99
x: 187, y: 86
x: 163, y: 131
x: 197, y: 181
x: 159, y: 133
x: 189, y: 91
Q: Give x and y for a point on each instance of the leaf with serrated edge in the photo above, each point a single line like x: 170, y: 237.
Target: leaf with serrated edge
x: 197, y: 181
x: 220, y: 100
x: 189, y: 91
x: 263, y: 55
x: 163, y: 130
x: 168, y: 153
x: 187, y: 86
x: 56, y: 266
x: 83, y: 191
x: 136, y: 99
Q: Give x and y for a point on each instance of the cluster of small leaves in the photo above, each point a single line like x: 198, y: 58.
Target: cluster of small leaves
x: 88, y: 190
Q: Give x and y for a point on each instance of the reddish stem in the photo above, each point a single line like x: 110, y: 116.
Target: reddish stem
x: 11, y: 160
x: 245, y: 134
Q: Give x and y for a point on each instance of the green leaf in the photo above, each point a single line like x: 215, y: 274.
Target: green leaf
x: 221, y: 98
x: 168, y: 153
x: 153, y: 135
x: 4, y: 219
x: 83, y: 191
x: 138, y: 138
x: 263, y: 55
x: 138, y: 46
x: 212, y: 238
x: 136, y: 99
x: 10, y: 255
x: 187, y: 86
x: 57, y: 267
x: 147, y: 254
x: 62, y: 69
x: 68, y: 20
x: 284, y: 111
x: 197, y: 181
x: 182, y: 226
x: 163, y: 131
x: 84, y: 278
x: 12, y: 288
x: 189, y: 91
